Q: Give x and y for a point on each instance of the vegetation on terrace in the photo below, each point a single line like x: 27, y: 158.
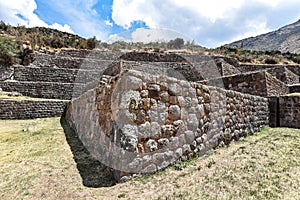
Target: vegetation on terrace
x: 17, y: 44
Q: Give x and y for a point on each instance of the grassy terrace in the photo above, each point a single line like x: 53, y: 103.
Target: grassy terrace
x: 8, y: 96
x: 36, y: 162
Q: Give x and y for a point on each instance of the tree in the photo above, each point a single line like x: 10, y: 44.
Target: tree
x: 176, y: 44
x: 9, y: 51
x: 92, y: 43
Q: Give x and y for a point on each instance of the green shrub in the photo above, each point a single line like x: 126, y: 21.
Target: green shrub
x: 9, y: 51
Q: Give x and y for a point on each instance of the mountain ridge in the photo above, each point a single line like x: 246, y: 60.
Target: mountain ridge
x: 284, y: 39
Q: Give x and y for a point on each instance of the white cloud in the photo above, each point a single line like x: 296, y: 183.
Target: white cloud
x: 155, y: 35
x: 108, y: 23
x: 65, y: 28
x: 82, y: 17
x: 211, y: 23
x: 21, y: 12
x: 148, y: 35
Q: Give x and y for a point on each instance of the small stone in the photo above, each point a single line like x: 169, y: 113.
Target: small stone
x: 129, y: 137
x: 174, y: 142
x: 174, y: 112
x: 165, y: 97
x: 162, y: 118
x: 192, y: 122
x: 184, y: 114
x: 144, y: 93
x: 144, y: 130
x: 199, y: 140
x: 153, y: 115
x: 181, y: 101
x: 175, y: 89
x: 178, y: 152
x: 154, y: 90
x: 155, y: 130
x: 173, y: 100
x: 168, y: 130
x: 186, y: 149
x: 192, y: 92
x: 151, y: 145
x: 163, y: 142
x: 149, y: 169
x: 163, y: 165
x: 180, y: 127
x: 200, y: 111
x: 141, y: 117
x: 189, y: 137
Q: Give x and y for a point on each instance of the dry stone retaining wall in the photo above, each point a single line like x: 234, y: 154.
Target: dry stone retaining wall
x: 29, y: 109
x: 275, y: 87
x: 140, y: 123
x: 289, y: 114
x: 284, y: 75
x: 285, y: 111
x: 48, y: 90
x: 37, y: 74
x: 47, y: 60
x: 258, y: 83
x: 294, y: 88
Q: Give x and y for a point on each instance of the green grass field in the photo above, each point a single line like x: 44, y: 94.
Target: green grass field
x: 36, y: 162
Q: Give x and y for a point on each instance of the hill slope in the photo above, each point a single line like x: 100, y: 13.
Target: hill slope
x: 285, y: 39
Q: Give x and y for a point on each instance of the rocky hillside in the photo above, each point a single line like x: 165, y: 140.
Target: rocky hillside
x: 285, y: 39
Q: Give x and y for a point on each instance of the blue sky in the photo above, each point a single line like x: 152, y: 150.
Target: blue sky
x: 209, y: 23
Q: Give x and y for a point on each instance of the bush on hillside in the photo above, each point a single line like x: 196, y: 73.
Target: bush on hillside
x: 9, y: 51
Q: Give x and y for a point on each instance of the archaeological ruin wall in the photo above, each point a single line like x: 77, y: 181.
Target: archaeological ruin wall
x: 259, y: 83
x: 46, y: 90
x: 285, y: 111
x: 30, y: 109
x: 294, y: 88
x: 135, y: 122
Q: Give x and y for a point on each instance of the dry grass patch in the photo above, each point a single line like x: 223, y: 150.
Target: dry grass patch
x: 36, y: 163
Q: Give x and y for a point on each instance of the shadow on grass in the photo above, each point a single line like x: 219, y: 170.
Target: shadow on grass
x: 93, y: 173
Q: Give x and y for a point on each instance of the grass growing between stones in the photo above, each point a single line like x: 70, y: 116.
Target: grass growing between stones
x: 10, y: 96
x: 36, y: 163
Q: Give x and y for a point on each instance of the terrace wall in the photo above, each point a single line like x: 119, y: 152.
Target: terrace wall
x: 29, y: 109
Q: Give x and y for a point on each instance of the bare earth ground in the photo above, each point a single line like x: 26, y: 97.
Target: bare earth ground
x: 37, y: 162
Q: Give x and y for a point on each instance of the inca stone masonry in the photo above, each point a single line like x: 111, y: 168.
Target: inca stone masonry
x: 139, y: 112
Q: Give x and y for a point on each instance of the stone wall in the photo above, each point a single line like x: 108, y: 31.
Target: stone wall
x: 249, y: 83
x: 60, y: 75
x: 28, y: 109
x: 294, y: 68
x: 258, y: 83
x: 289, y: 113
x: 275, y: 87
x: 140, y: 123
x: 285, y: 111
x: 48, y: 90
x: 294, y: 88
x: 274, y: 112
x: 244, y: 68
x: 224, y: 66
x: 48, y: 60
x: 91, y: 54
x: 284, y: 75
